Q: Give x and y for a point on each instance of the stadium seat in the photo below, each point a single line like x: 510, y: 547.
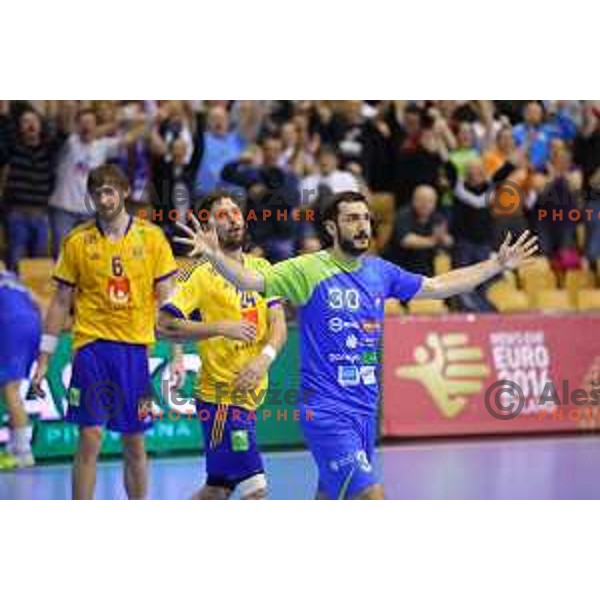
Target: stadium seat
x: 442, y: 263
x: 576, y: 280
x: 536, y: 281
x: 393, y: 307
x: 537, y: 263
x: 427, y: 306
x: 507, y: 299
x: 588, y: 300
x: 553, y: 301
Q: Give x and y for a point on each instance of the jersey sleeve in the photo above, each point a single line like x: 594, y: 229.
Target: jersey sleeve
x: 164, y: 261
x: 262, y: 265
x: 186, y: 302
x: 401, y: 284
x: 66, y: 270
x: 286, y: 279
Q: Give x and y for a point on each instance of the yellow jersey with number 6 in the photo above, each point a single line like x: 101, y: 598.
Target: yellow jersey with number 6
x: 114, y: 281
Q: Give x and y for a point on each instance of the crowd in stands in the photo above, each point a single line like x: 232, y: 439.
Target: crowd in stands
x: 434, y: 171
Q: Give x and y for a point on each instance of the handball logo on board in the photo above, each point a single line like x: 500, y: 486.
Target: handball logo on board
x: 449, y: 369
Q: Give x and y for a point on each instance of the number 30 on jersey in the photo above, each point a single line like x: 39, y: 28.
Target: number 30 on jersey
x: 343, y: 299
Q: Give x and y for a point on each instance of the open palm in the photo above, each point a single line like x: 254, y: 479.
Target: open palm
x: 201, y: 241
x: 516, y: 255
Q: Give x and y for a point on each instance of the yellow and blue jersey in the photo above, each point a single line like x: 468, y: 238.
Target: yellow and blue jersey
x: 114, y: 281
x: 203, y: 294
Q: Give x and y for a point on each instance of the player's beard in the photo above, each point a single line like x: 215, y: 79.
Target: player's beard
x: 231, y: 243
x: 348, y: 246
x: 109, y: 214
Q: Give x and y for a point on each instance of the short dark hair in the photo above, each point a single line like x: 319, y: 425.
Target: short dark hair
x: 331, y: 211
x: 207, y: 202
x: 107, y: 175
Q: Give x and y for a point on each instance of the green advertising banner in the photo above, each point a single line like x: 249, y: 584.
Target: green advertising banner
x: 178, y: 430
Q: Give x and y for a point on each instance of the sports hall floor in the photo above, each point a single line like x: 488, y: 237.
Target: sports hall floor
x: 541, y: 468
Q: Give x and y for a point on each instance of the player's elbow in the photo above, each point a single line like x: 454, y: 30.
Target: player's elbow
x: 436, y: 288
x: 166, y: 325
x: 252, y: 282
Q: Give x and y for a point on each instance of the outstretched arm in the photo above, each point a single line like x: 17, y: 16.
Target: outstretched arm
x: 509, y: 257
x: 204, y: 242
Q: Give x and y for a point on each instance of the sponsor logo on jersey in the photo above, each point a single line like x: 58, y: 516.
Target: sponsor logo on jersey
x: 351, y: 342
x: 352, y: 358
x: 371, y: 326
x: 348, y: 375
x: 370, y: 357
x: 336, y: 325
x: 368, y: 376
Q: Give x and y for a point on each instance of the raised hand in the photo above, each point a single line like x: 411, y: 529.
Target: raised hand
x: 516, y: 255
x: 202, y: 241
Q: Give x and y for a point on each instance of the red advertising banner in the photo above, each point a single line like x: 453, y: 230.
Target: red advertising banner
x: 477, y: 374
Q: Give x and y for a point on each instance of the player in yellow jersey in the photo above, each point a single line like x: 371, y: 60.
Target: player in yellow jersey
x: 109, y: 271
x: 233, y: 381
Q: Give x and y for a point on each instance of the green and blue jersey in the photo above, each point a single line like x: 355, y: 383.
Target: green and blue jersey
x: 340, y: 313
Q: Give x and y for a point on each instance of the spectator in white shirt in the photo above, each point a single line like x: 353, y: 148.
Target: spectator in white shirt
x: 82, y: 152
x: 328, y: 180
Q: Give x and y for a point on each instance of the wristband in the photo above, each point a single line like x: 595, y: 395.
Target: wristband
x: 270, y: 352
x: 48, y: 343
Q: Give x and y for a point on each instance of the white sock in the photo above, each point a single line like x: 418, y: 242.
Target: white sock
x: 21, y: 440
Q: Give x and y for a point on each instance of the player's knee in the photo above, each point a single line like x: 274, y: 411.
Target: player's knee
x: 373, y: 492
x: 90, y: 441
x: 134, y: 449
x: 253, y: 488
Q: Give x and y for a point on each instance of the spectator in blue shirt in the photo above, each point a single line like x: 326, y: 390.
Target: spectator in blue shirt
x: 535, y: 135
x: 218, y: 146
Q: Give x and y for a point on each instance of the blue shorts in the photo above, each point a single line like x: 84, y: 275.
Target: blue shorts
x: 19, y: 345
x: 343, y: 446
x: 111, y: 387
x: 232, y: 454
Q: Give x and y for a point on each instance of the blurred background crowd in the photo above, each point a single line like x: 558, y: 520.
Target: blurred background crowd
x: 432, y: 171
